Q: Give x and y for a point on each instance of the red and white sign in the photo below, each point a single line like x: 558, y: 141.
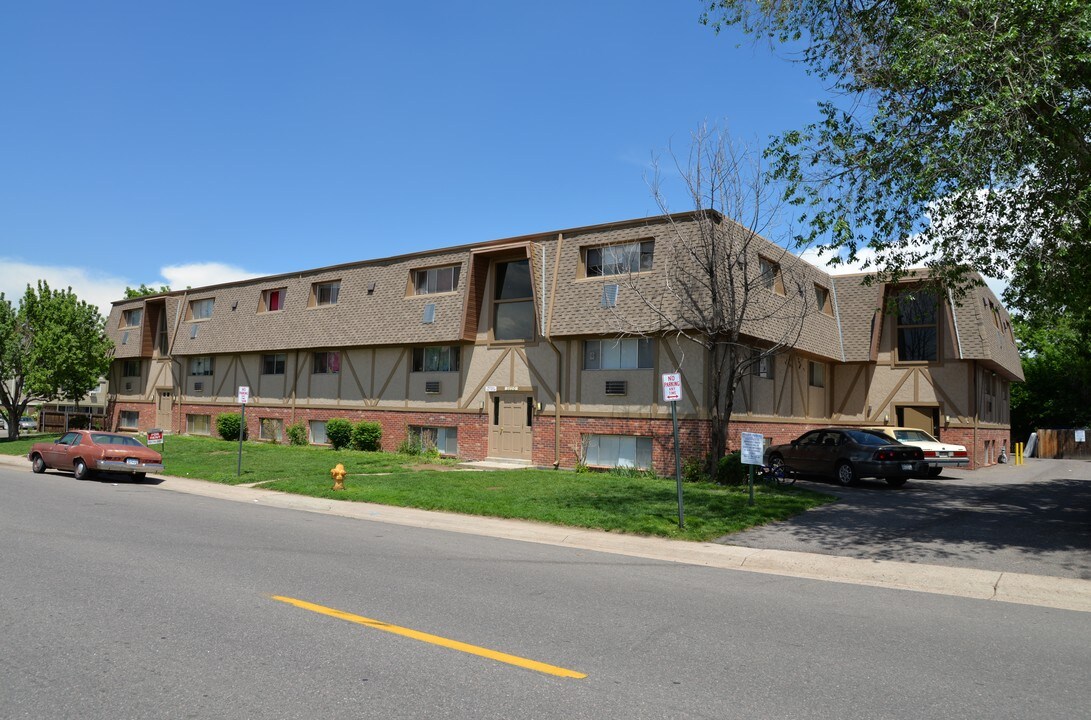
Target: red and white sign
x: 244, y: 394
x: 155, y: 437
x: 672, y: 387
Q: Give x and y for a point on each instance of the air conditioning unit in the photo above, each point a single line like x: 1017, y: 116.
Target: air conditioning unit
x: 198, y: 387
x: 431, y: 387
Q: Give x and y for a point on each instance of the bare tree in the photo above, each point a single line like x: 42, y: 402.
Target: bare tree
x: 727, y: 289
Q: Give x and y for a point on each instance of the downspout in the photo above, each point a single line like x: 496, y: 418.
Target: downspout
x: 546, y: 328
x: 975, y: 413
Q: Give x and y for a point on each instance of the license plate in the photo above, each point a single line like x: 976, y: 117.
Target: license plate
x: 132, y: 461
x: 943, y: 454
x: 907, y: 466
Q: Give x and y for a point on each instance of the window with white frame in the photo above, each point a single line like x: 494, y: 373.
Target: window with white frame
x: 436, y: 280
x: 201, y: 309
x: 618, y: 451
x: 619, y: 259
x: 318, y: 432
x: 443, y: 439
x: 326, y: 363
x: 441, y: 358
x: 199, y: 424
x: 618, y: 354
x: 130, y: 368
x: 326, y: 293
x: 273, y: 300
x: 128, y: 419
x: 131, y: 318
x: 201, y: 365
x: 273, y: 364
x: 816, y: 374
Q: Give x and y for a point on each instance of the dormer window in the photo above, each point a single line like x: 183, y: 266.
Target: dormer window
x: 436, y: 280
x: 619, y: 259
x: 131, y: 318
x: 918, y: 325
x: 770, y: 275
x: 325, y: 293
x: 822, y: 300
x: 273, y: 300
x: 513, y: 302
x: 201, y: 309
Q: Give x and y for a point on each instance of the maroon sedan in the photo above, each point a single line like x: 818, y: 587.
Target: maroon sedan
x: 85, y: 451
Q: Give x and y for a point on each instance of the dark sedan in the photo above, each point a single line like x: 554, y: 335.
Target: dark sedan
x: 848, y: 455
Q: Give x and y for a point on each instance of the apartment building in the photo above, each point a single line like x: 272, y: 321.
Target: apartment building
x: 548, y: 349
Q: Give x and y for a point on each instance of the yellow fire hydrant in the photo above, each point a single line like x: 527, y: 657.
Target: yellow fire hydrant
x: 338, y: 475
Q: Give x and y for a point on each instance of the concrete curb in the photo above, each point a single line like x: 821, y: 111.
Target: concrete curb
x: 1040, y: 590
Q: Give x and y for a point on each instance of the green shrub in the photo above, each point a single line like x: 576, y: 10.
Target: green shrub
x: 367, y: 435
x: 410, y: 446
x: 693, y: 470
x: 228, y: 425
x: 339, y: 433
x: 730, y: 470
x: 297, y: 433
x: 79, y: 422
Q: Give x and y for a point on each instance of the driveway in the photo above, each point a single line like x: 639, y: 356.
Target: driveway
x: 1034, y: 518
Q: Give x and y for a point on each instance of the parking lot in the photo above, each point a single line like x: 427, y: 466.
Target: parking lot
x: 1034, y: 518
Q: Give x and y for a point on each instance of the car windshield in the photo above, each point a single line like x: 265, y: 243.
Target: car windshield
x: 103, y: 439
x: 865, y: 438
x: 913, y: 436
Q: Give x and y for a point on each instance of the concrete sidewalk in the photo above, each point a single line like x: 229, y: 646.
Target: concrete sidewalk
x: 1046, y: 591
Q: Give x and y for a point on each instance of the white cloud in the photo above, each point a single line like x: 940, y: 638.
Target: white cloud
x: 102, y: 288
x: 95, y: 287
x: 180, y: 277
x: 865, y: 254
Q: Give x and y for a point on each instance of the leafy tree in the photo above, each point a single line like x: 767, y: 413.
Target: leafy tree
x: 960, y: 138
x: 52, y: 346
x: 144, y: 290
x: 1057, y: 363
x: 719, y: 271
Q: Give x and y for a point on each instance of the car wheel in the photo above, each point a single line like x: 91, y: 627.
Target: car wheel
x: 38, y: 465
x: 80, y: 470
x: 139, y: 476
x: 895, y: 482
x: 934, y: 471
x: 846, y: 475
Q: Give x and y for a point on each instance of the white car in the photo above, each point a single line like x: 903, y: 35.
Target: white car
x: 937, y: 454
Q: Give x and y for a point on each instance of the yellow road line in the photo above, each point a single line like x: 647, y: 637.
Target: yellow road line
x: 434, y: 639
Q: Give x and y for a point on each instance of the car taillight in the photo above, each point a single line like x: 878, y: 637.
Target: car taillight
x: 884, y: 455
x: 929, y: 453
x: 961, y: 453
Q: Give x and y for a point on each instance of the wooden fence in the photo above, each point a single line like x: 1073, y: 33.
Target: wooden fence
x: 51, y: 421
x: 1062, y: 444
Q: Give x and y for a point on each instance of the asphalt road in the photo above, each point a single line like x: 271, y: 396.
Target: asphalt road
x: 125, y: 600
x: 1034, y: 519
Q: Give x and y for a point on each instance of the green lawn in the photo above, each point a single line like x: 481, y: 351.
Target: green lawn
x: 606, y: 501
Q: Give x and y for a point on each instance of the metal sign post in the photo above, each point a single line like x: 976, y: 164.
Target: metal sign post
x: 244, y: 396
x: 752, y: 451
x: 672, y: 393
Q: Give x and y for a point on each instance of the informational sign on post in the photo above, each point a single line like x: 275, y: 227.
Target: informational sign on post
x: 244, y: 397
x: 672, y: 387
x: 1081, y: 436
x: 244, y: 394
x: 155, y: 437
x: 753, y: 448
x: 672, y: 393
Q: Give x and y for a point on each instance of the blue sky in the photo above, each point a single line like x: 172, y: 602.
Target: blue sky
x: 194, y: 142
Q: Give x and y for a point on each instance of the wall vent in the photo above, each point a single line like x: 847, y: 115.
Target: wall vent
x: 431, y: 387
x: 128, y: 386
x: 198, y: 387
x: 617, y: 387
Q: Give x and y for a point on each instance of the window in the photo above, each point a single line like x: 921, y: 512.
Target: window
x: 271, y: 429
x: 199, y: 424
x: 200, y: 365
x: 618, y: 451
x: 816, y: 374
x: 201, y: 309
x: 130, y: 368
x: 620, y: 354
x: 443, y: 439
x: 619, y: 259
x: 609, y: 296
x: 822, y: 300
x: 918, y: 325
x: 513, y: 304
x: 326, y: 363
x: 272, y: 364
x: 318, y: 432
x: 326, y: 293
x: 273, y: 300
x: 765, y: 366
x: 443, y: 358
x: 128, y: 419
x: 131, y: 318
x: 435, y: 280
x: 429, y: 316
x: 770, y: 275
